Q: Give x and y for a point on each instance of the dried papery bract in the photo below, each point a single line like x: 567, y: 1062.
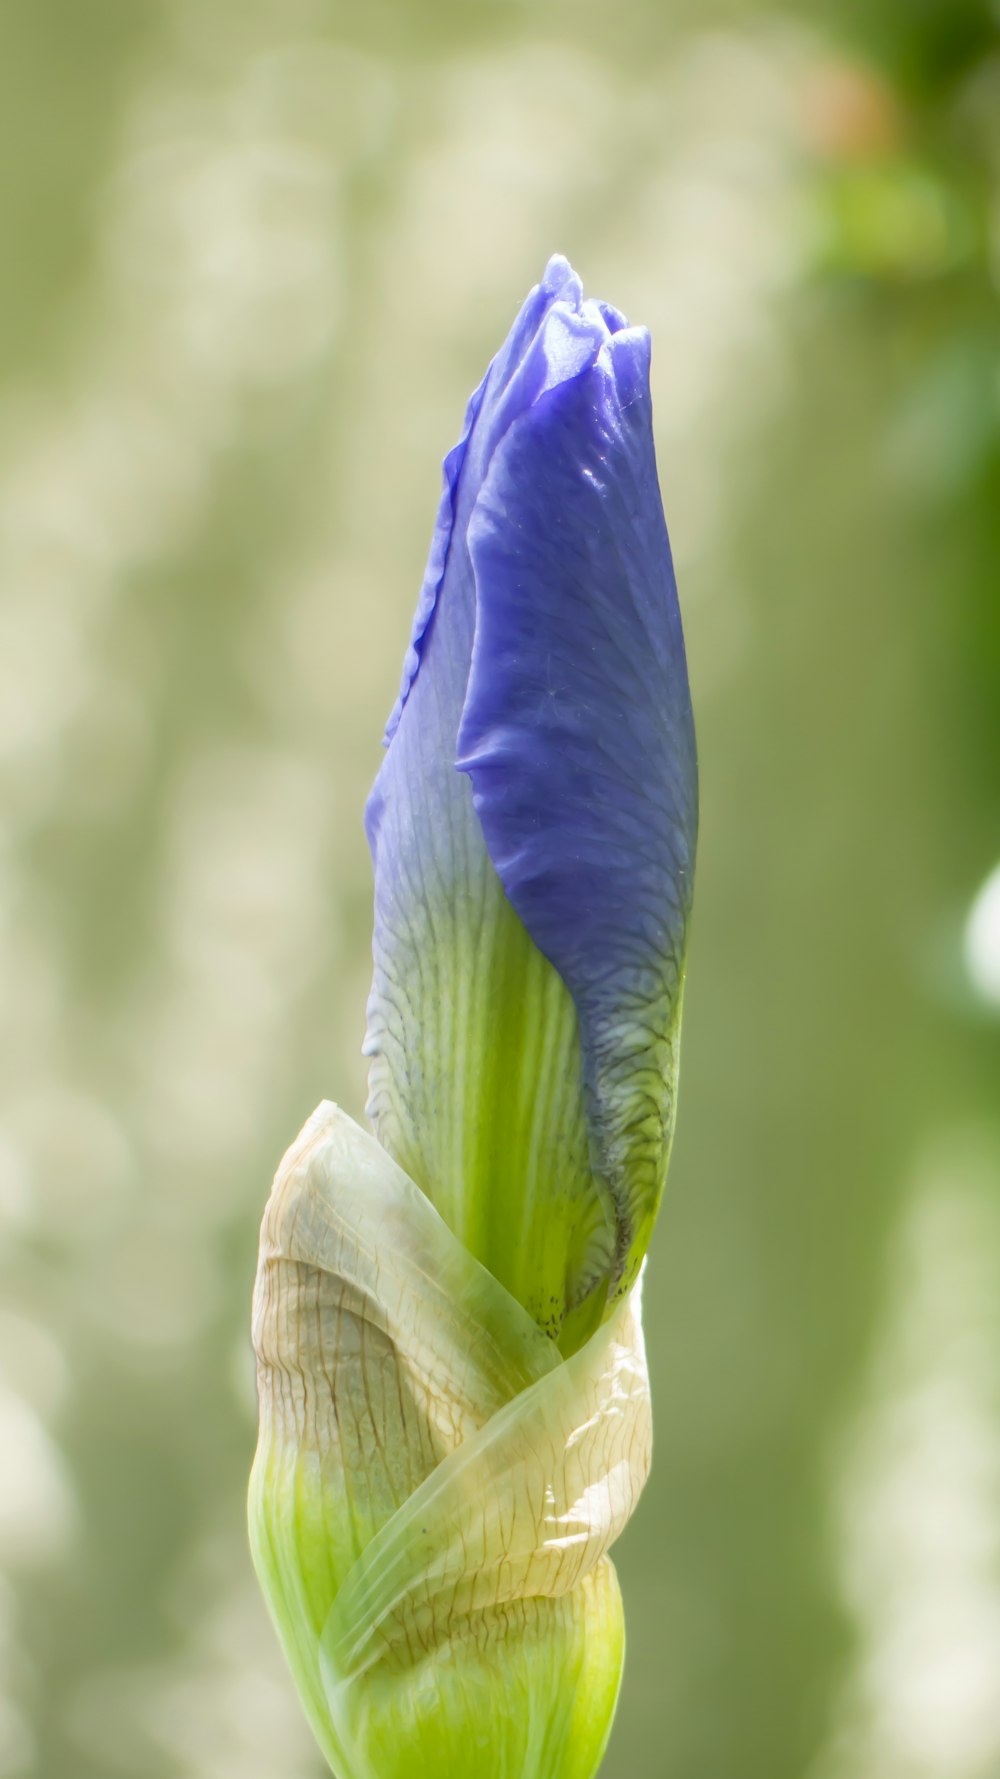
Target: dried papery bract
x: 435, y: 1489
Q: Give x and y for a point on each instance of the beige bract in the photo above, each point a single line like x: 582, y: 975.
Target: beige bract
x: 436, y: 1488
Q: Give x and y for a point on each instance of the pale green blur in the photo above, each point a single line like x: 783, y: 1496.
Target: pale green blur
x: 254, y: 257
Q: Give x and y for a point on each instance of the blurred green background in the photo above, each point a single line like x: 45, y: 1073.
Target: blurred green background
x: 253, y: 256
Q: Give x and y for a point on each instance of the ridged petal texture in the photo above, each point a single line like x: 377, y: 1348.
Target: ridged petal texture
x: 533, y: 827
x: 435, y: 1487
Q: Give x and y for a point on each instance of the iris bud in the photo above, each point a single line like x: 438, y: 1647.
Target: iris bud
x: 455, y: 1418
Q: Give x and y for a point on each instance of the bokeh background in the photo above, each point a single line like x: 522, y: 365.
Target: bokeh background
x: 253, y: 256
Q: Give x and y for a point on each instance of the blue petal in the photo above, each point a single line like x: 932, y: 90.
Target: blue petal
x: 546, y: 659
x: 474, y: 1086
x: 578, y: 736
x: 554, y: 335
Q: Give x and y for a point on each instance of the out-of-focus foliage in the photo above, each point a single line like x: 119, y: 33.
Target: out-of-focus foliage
x: 253, y: 256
